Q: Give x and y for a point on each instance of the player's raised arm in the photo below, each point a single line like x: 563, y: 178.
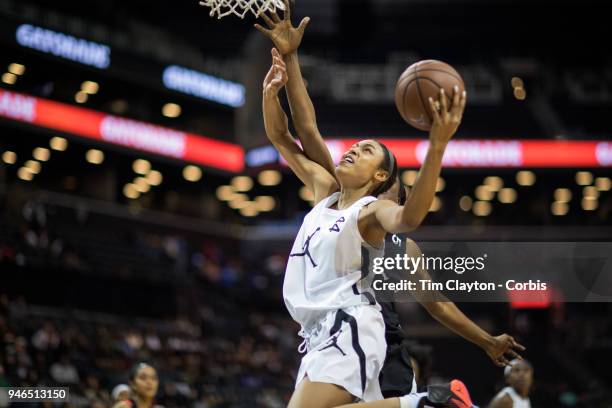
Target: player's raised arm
x: 500, y: 349
x: 396, y: 219
x: 287, y: 40
x: 277, y: 130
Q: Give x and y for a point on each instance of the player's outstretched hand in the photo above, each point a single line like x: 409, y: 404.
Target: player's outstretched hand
x: 446, y: 119
x: 277, y: 76
x: 503, y: 349
x: 285, y: 37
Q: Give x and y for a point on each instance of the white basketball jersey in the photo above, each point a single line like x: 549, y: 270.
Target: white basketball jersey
x: 326, y: 261
x: 517, y: 400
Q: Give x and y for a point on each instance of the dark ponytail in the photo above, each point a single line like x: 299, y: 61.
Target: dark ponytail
x: 389, y: 164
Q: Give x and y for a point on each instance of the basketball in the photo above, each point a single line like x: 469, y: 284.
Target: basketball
x: 418, y: 83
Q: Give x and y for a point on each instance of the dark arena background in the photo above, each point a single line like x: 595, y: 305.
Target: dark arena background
x: 144, y: 216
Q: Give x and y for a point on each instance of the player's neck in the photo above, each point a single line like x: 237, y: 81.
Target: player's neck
x: 522, y: 393
x: 349, y: 197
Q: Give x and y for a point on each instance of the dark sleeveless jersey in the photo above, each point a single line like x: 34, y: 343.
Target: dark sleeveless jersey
x: 394, y: 245
x: 397, y: 375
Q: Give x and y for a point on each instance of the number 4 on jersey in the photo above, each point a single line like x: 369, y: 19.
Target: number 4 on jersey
x: 336, y: 227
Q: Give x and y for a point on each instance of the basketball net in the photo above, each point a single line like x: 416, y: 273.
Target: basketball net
x: 223, y: 8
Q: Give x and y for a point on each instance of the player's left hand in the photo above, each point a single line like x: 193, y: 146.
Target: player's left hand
x: 446, y: 119
x: 276, y: 78
x: 503, y: 349
x: 285, y: 37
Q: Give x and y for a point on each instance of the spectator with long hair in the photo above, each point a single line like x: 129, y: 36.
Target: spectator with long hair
x: 143, y: 382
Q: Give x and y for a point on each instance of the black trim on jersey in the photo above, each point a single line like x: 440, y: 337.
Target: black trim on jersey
x: 342, y: 316
x: 365, y: 270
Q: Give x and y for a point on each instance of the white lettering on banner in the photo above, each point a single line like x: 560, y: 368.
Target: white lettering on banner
x: 18, y: 107
x: 64, y: 46
x: 143, y: 136
x: 603, y: 152
x: 204, y: 86
x: 477, y: 153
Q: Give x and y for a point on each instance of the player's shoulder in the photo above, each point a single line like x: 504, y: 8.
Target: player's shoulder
x: 502, y: 400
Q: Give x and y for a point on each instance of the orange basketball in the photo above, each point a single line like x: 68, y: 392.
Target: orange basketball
x: 418, y: 83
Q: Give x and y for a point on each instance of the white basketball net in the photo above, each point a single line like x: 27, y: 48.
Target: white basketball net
x: 223, y: 8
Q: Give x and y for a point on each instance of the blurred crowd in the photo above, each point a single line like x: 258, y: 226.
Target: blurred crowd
x: 250, y: 365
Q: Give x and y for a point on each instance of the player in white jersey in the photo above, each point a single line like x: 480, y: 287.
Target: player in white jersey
x: 519, y: 377
x: 341, y: 324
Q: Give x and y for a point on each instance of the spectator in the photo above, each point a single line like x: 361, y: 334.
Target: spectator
x: 64, y: 372
x: 143, y: 384
x: 121, y: 393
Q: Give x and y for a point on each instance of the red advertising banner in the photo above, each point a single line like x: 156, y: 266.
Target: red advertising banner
x: 484, y: 153
x: 147, y: 137
x: 120, y: 131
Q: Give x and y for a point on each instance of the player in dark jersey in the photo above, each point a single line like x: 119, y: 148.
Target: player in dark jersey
x: 397, y: 376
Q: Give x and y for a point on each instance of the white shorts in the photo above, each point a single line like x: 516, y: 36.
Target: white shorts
x: 348, y: 350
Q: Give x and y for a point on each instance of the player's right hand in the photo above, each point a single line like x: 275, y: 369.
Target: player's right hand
x: 276, y: 78
x: 285, y: 37
x: 502, y: 349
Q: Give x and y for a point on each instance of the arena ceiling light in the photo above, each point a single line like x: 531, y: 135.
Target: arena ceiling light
x: 249, y: 210
x: 603, y: 183
x: 192, y: 173
x: 25, y: 174
x: 563, y: 195
x: 141, y: 166
x: 33, y: 166
x: 9, y: 78
x: 507, y: 195
x: 9, y: 157
x: 269, y: 178
x: 16, y: 69
x: 525, y: 178
x: 142, y: 185
x: 494, y: 183
x: 154, y: 178
x: 225, y: 193
x: 81, y: 97
x: 130, y: 191
x: 584, y: 178
x: 465, y: 203
x: 589, y: 204
x: 265, y: 203
x: 58, y: 143
x: 41, y: 154
x: 590, y: 192
x: 204, y: 86
x: 559, y: 208
x: 242, y: 183
x: 484, y: 193
x: 90, y: 87
x: 94, y: 156
x: 172, y: 110
x: 64, y: 46
x: 482, y: 208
